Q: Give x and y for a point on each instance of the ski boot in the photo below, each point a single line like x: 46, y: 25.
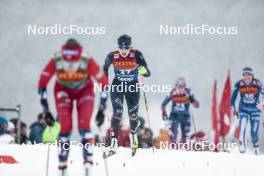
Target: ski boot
x: 242, y: 152
x: 63, y: 169
x: 87, y: 167
x: 242, y: 149
x: 113, y: 147
x: 256, y: 149
x: 133, y: 142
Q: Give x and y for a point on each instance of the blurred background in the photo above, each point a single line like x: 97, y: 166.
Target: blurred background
x: 199, y: 58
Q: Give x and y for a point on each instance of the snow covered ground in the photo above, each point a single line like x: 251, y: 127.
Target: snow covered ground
x: 32, y: 162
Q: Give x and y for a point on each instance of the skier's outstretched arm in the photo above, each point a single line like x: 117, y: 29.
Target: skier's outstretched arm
x: 45, y: 77
x: 143, y: 67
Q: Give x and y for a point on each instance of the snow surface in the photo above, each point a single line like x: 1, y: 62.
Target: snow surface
x: 32, y: 161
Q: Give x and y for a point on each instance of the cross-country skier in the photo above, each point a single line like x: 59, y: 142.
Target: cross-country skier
x: 250, y: 90
x: 128, y: 64
x: 181, y: 98
x: 74, y: 71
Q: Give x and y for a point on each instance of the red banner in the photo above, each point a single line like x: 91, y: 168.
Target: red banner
x: 225, y: 107
x: 215, y: 117
x: 6, y: 159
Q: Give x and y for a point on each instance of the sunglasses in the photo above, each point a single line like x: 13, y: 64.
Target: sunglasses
x: 70, y: 52
x: 123, y: 47
x: 247, y: 74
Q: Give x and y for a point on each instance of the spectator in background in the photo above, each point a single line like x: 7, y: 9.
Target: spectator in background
x: 123, y: 137
x: 163, y: 137
x: 145, y: 135
x: 11, y: 129
x: 52, y: 129
x: 23, y: 131
x: 44, y: 130
x: 146, y: 138
x: 5, y: 138
x: 37, y: 128
x: 198, y: 140
x: 3, y: 125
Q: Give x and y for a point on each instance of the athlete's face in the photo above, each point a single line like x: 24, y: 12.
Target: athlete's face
x: 181, y: 89
x: 247, y: 78
x: 124, y: 52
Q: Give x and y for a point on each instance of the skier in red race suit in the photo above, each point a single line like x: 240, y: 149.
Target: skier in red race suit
x: 73, y: 70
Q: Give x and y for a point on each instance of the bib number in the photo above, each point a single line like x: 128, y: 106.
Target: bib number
x: 249, y: 98
x: 179, y: 107
x: 124, y: 72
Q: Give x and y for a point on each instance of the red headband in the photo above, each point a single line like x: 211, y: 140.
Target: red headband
x: 71, y: 53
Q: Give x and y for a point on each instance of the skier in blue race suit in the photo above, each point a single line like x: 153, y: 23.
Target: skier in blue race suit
x: 250, y: 90
x: 181, y: 98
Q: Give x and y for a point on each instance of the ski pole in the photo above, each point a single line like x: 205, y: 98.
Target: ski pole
x: 48, y: 154
x: 18, y: 110
x: 147, y: 109
x: 194, y: 126
x: 146, y: 101
x: 193, y: 121
x: 105, y: 163
x: 262, y: 116
x: 47, y: 163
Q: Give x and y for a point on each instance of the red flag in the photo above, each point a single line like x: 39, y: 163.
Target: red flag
x: 214, y: 116
x: 225, y: 107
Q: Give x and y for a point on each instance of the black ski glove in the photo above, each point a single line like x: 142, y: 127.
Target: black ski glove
x: 102, y: 106
x: 43, y: 99
x: 100, y: 118
x: 49, y: 119
x: 165, y: 115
